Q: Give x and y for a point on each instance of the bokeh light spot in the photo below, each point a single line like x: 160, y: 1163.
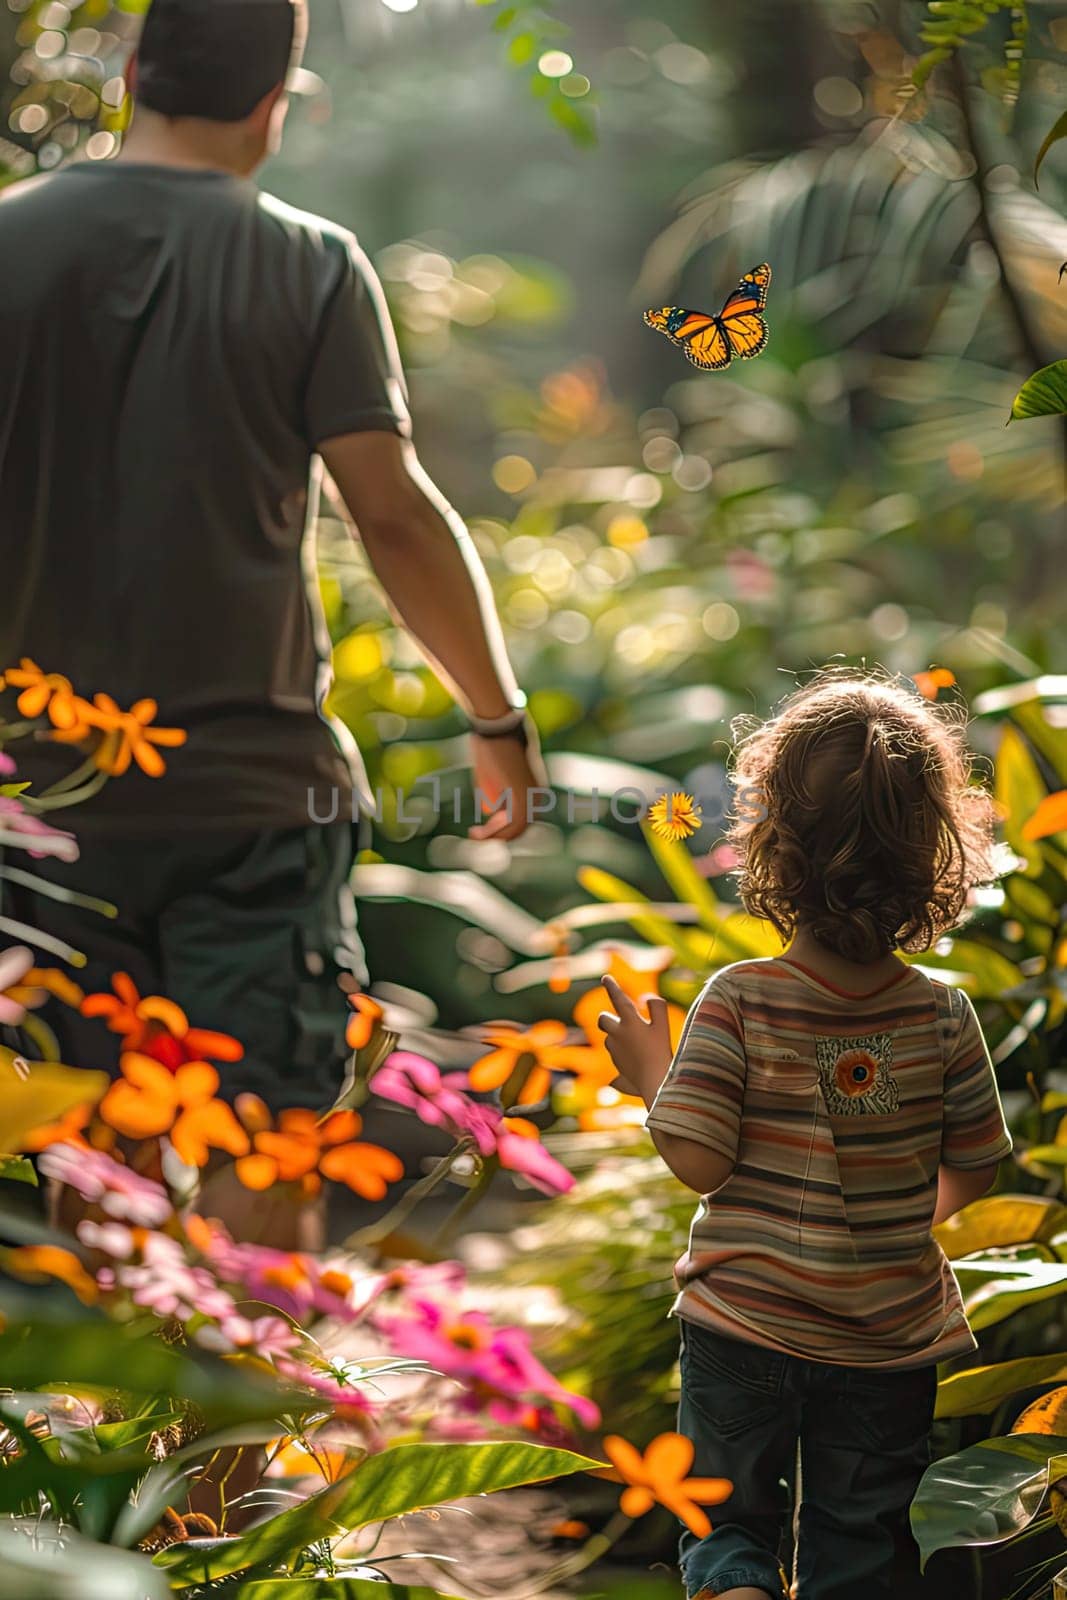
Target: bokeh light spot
x: 513, y: 474
x: 555, y: 64
x: 838, y: 97
x: 720, y: 621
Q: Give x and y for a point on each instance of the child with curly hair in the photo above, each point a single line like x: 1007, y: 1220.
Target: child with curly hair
x: 830, y: 1106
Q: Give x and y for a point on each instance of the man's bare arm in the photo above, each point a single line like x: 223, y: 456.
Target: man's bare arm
x: 432, y: 575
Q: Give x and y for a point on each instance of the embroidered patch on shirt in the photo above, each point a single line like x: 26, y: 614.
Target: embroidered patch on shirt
x: 856, y: 1074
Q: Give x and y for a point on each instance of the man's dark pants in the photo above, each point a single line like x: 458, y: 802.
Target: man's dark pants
x: 247, y: 931
x: 863, y: 1442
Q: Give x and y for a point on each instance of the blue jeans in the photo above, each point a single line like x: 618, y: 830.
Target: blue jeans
x: 862, y: 1439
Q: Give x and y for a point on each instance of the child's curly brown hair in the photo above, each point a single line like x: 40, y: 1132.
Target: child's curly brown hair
x: 863, y: 823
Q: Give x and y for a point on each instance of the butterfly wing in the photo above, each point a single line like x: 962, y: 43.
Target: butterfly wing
x: 700, y: 335
x: 742, y: 321
x: 708, y: 346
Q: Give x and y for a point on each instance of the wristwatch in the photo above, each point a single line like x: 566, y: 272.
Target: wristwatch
x: 512, y: 725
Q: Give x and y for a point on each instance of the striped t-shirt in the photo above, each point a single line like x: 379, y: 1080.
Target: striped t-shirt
x: 837, y: 1111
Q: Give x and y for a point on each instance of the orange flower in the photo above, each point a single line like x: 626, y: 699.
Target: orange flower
x: 36, y: 1263
x: 368, y: 1014
x: 856, y: 1072
x: 1050, y: 817
x: 156, y: 1027
x: 128, y: 736
x: 543, y: 1042
x: 68, y: 1129
x: 660, y: 1474
x: 928, y: 683
x: 43, y: 691
x: 636, y: 983
x: 300, y: 1148
x: 42, y: 981
x: 148, y: 1101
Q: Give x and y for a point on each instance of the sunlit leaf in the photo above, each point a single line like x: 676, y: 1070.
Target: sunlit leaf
x: 986, y: 1494
x: 980, y: 1390
x: 1019, y: 789
x: 38, y: 1092
x: 1046, y: 1415
x: 334, y: 1589
x: 399, y: 1480
x: 995, y: 1288
x: 1000, y: 1220
x: 17, y: 1169
x: 1044, y: 394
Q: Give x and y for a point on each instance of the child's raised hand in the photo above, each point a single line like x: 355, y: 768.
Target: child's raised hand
x: 640, y: 1050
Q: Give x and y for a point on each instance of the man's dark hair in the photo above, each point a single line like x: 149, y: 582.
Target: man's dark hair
x: 217, y: 58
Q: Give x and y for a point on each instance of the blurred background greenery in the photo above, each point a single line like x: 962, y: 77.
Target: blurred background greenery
x: 670, y: 549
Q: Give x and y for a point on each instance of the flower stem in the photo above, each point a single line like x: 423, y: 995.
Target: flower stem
x: 594, y: 1548
x: 62, y: 795
x: 445, y: 1233
x: 408, y: 1202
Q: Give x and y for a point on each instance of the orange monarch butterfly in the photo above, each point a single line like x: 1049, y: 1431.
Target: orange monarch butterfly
x: 739, y: 330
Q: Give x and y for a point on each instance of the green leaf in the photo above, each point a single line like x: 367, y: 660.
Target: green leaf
x: 40, y: 1561
x: 504, y: 20
x: 1044, y: 394
x: 95, y: 1354
x: 980, y: 970
x: 994, y: 1288
x: 18, y: 1169
x: 1001, y: 1220
x: 521, y: 49
x: 1057, y: 132
x: 334, y: 1589
x: 986, y: 1494
x: 979, y: 1390
x: 11, y: 790
x: 404, y: 1478
x: 1019, y: 789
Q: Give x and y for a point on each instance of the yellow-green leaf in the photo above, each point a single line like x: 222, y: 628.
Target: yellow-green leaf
x: 1001, y: 1220
x: 1044, y: 394
x: 38, y: 1092
x: 979, y: 1390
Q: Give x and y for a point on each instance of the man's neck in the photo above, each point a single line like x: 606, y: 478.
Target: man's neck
x: 188, y: 143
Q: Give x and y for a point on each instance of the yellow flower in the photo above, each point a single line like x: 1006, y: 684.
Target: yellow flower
x: 675, y: 816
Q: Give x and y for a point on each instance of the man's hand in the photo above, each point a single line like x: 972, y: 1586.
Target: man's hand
x: 640, y: 1050
x: 505, y: 772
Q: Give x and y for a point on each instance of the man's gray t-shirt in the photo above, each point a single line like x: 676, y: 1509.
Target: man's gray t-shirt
x: 174, y: 346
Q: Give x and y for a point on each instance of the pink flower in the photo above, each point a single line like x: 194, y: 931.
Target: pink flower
x: 7, y: 766
x: 269, y: 1337
x: 100, y: 1180
x: 515, y: 1143
x: 495, y: 1364
x: 412, y: 1081
x: 14, y: 965
x: 166, y: 1284
x: 112, y: 1239
x: 19, y: 826
x: 294, y: 1283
